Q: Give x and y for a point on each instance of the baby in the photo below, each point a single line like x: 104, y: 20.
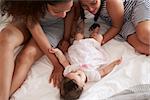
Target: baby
x: 87, y: 62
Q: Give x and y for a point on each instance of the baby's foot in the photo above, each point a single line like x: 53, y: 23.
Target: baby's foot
x: 118, y: 61
x: 97, y: 37
x: 79, y: 36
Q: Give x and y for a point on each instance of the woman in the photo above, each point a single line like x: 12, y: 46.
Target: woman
x: 128, y: 18
x: 40, y: 18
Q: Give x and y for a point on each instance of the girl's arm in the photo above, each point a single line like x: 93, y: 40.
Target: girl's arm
x: 43, y: 43
x: 115, y: 10
x: 76, y: 27
x: 68, y: 29
x: 65, y: 41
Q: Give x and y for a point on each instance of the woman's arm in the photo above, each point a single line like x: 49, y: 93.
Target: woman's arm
x: 43, y: 43
x: 70, y: 27
x: 115, y: 10
x: 68, y: 23
x: 75, y: 27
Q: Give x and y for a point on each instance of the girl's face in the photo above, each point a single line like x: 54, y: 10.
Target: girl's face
x: 60, y: 10
x: 91, y: 5
x: 78, y: 76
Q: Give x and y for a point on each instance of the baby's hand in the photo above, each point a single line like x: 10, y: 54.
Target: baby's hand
x: 53, y: 50
x: 59, y: 54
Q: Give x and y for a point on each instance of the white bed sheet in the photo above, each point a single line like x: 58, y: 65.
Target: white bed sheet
x: 134, y: 70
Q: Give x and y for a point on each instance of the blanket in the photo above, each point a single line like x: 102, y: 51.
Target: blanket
x: 134, y: 70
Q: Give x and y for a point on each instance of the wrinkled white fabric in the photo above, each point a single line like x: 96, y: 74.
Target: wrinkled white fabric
x: 88, y: 55
x: 87, y: 51
x: 134, y: 70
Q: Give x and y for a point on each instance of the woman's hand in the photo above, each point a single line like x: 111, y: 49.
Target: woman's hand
x: 64, y: 45
x: 56, y: 75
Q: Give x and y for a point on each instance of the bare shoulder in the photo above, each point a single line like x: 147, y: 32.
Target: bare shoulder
x: 115, y: 6
x: 114, y: 2
x: 115, y: 9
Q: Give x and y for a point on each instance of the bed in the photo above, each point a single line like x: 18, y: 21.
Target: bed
x: 128, y: 81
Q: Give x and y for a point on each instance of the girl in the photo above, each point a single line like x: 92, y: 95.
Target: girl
x: 128, y: 18
x: 41, y: 19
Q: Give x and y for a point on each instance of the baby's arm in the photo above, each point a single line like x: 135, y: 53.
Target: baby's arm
x: 108, y: 68
x: 61, y: 57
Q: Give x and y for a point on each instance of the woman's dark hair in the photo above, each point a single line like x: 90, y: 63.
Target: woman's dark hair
x: 69, y: 90
x: 33, y: 9
x: 94, y: 26
x: 55, y: 2
x: 96, y: 15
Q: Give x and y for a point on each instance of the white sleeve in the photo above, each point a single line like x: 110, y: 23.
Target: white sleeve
x: 93, y: 75
x: 71, y: 68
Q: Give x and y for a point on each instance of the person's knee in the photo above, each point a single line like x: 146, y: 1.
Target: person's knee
x: 27, y: 55
x: 143, y: 32
x: 23, y: 62
x: 6, y: 38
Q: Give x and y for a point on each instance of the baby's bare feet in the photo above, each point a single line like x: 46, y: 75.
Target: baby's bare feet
x: 118, y: 61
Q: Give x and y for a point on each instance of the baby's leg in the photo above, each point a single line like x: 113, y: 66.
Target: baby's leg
x: 97, y: 37
x: 108, y: 68
x: 61, y: 57
x: 79, y: 36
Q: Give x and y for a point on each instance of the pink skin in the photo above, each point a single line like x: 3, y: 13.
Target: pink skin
x: 60, y: 10
x: 91, y: 5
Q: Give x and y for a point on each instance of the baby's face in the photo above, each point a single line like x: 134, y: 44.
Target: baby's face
x: 78, y: 76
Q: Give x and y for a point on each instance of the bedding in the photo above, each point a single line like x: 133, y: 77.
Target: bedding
x: 133, y: 71
x: 138, y: 92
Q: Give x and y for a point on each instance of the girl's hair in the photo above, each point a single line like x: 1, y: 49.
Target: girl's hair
x: 96, y: 15
x: 69, y: 90
x: 94, y: 26
x: 33, y: 9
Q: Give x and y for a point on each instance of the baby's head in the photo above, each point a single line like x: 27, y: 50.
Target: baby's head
x: 69, y: 89
x: 72, y: 85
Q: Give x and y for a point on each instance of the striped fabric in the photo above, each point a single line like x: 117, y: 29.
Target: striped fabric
x: 128, y: 6
x: 135, y: 12
x: 138, y: 92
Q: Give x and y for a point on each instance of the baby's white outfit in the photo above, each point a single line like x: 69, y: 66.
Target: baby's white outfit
x: 87, y: 55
